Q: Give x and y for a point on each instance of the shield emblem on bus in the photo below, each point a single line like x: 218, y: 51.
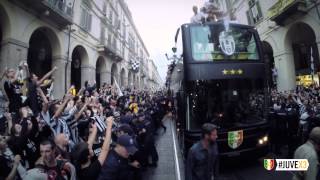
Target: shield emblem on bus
x: 227, y: 43
x: 235, y: 139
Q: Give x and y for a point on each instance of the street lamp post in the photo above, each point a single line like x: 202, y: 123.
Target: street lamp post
x: 70, y: 30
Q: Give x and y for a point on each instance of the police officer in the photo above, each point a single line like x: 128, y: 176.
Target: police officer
x: 141, y: 126
x: 202, y: 161
x: 116, y: 166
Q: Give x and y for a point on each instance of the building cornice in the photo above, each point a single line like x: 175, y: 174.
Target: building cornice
x: 15, y: 42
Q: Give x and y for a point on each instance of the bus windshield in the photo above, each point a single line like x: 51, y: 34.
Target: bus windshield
x: 218, y: 42
x: 225, y: 102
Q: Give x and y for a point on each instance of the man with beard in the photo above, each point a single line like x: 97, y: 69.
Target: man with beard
x: 202, y: 162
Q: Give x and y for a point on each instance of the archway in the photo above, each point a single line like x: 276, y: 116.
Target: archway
x: 130, y: 79
x: 305, y: 52
x: 269, y: 59
x: 100, y: 69
x: 42, y: 44
x: 114, y: 73
x: 79, y: 57
x: 122, y: 78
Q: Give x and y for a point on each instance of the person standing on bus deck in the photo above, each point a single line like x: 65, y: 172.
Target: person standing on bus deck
x: 198, y: 17
x: 202, y: 161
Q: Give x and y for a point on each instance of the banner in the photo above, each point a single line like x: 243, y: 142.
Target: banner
x: 118, y: 88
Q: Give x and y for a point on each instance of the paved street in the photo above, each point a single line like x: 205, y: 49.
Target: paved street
x: 166, y: 164
x: 233, y: 169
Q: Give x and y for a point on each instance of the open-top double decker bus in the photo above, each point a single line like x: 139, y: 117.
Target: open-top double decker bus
x: 222, y: 80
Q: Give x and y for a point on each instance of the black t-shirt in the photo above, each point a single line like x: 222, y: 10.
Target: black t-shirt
x: 33, y: 98
x: 91, y: 172
x: 5, y: 169
x: 14, y: 95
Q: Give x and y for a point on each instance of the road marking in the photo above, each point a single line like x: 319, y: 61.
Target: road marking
x: 175, y: 151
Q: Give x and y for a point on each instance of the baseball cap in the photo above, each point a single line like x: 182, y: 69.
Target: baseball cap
x: 126, y: 129
x: 127, y: 142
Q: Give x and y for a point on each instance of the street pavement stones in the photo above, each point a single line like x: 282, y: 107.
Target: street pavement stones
x: 166, y: 164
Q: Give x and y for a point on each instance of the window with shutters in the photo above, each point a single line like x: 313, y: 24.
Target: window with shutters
x: 254, y: 14
x: 86, y: 19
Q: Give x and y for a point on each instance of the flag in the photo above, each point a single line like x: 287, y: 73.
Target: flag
x: 268, y: 164
x: 118, y: 88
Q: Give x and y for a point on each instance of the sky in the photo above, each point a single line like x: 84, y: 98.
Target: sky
x: 157, y: 22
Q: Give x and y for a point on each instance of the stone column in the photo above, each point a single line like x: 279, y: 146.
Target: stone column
x: 88, y: 73
x: 60, y: 76
x: 12, y: 52
x: 125, y: 83
x: 69, y: 73
x: 286, y: 79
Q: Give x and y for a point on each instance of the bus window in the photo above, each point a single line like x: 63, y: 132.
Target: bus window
x: 225, y: 102
x: 214, y: 43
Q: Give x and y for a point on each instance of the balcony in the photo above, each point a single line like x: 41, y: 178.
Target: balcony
x: 55, y: 10
x: 284, y: 9
x: 111, y: 51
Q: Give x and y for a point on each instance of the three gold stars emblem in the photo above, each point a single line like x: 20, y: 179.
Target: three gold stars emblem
x: 232, y: 72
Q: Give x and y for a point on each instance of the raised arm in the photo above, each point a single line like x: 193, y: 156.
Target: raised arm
x: 107, y: 140
x: 62, y: 106
x: 78, y: 114
x: 26, y: 68
x: 13, y: 172
x: 10, y: 123
x: 44, y: 99
x: 80, y: 91
x: 47, y: 75
x: 92, y: 136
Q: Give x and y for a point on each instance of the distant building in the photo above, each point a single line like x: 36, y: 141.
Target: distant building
x: 86, y: 40
x: 154, y: 80
x: 289, y: 29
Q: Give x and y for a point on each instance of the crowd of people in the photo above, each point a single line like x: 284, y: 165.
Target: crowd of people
x: 303, y: 102
x: 95, y: 133
x: 295, y: 122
